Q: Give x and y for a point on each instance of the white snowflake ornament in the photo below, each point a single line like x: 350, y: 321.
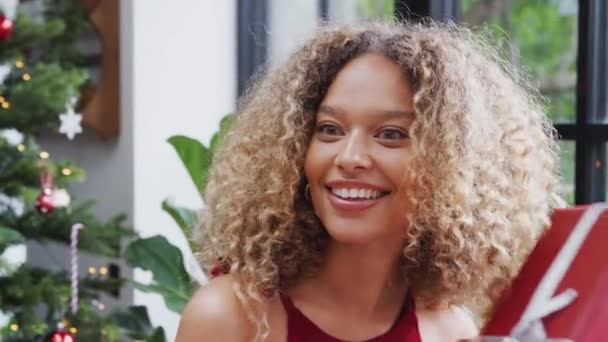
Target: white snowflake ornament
x: 15, y: 204
x: 12, y: 136
x: 70, y: 123
x: 60, y: 198
x: 5, y: 69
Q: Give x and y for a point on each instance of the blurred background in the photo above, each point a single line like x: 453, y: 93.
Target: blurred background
x: 110, y: 111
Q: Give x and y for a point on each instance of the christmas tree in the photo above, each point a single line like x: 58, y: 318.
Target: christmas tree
x: 42, y: 74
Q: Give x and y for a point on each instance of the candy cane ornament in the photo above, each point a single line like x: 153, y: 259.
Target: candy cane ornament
x: 74, y: 265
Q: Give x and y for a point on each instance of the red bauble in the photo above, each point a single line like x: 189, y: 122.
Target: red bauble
x: 6, y: 28
x: 44, y: 202
x: 61, y: 335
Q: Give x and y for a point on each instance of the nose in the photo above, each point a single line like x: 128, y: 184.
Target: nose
x: 354, y: 153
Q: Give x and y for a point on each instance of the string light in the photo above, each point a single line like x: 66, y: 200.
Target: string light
x: 73, y: 330
x: 2, y: 99
x: 26, y: 77
x: 92, y: 270
x: 6, y: 105
x: 19, y: 64
x: 598, y: 164
x: 66, y: 171
x: 14, y: 327
x: 101, y: 307
x: 44, y: 155
x: 65, y: 322
x: 103, y: 270
x: 20, y: 147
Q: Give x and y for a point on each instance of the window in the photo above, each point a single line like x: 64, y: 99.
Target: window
x: 542, y: 37
x: 566, y: 168
x: 290, y: 23
x: 563, y: 44
x: 348, y: 11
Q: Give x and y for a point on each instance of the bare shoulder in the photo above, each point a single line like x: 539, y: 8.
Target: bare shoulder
x: 450, y: 324
x: 214, y: 313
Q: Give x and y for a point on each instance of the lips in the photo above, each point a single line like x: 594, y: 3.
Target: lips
x: 355, y: 203
x: 352, y: 204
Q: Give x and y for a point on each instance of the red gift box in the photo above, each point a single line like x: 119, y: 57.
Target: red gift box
x: 562, y: 289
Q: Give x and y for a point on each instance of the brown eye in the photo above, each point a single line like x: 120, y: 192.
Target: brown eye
x: 392, y: 134
x: 328, y: 129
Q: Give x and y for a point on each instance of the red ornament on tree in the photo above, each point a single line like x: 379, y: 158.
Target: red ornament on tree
x: 6, y: 28
x: 61, y: 335
x: 44, y: 201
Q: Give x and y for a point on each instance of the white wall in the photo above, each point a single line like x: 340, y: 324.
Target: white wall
x: 178, y: 76
x: 179, y: 73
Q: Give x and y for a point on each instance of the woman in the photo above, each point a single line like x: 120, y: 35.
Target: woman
x: 383, y: 179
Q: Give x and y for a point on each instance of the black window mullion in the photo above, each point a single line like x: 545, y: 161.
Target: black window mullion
x: 591, y: 101
x: 436, y: 9
x: 593, y: 132
x: 323, y: 12
x: 252, y: 23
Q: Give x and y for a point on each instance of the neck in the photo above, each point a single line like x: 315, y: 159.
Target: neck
x: 364, y: 279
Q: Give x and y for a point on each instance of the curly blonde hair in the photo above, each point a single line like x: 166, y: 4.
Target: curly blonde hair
x: 482, y: 183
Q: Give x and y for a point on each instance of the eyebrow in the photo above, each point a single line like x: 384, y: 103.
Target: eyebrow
x: 389, y: 114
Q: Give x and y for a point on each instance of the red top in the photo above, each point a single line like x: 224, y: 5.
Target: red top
x: 302, y: 329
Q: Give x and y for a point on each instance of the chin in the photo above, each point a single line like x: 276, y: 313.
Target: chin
x: 352, y: 233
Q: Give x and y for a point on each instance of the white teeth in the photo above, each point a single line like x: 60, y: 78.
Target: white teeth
x: 343, y: 193
x: 363, y: 193
x: 356, y: 193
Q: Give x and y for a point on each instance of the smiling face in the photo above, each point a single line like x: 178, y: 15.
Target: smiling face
x: 360, y: 150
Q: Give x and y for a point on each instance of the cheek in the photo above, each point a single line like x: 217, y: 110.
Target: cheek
x: 397, y: 172
x: 315, y: 162
x: 309, y: 169
x: 395, y: 165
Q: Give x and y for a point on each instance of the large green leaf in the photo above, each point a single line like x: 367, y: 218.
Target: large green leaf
x: 218, y: 136
x: 195, y: 157
x: 186, y: 218
x: 8, y: 237
x: 165, y: 261
x: 174, y: 299
x: 157, y: 336
x: 136, y: 322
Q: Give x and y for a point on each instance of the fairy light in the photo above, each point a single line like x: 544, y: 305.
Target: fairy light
x: 101, y: 307
x: 92, y: 270
x: 6, y: 105
x: 66, y: 171
x: 44, y: 155
x: 65, y: 322
x: 26, y: 77
x: 14, y: 327
x: 2, y: 99
x: 20, y: 147
x: 19, y: 64
x: 103, y: 270
x: 73, y: 330
x: 598, y: 164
